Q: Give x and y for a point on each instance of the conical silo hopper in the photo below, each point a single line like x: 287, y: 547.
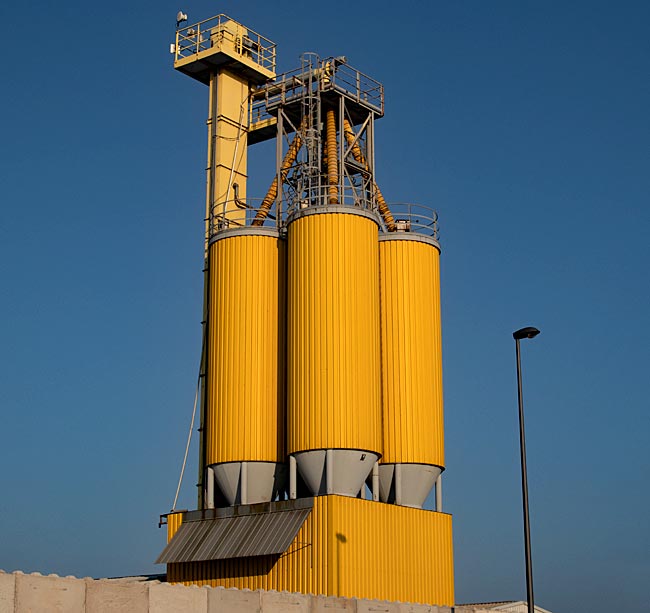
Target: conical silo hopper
x: 333, y: 356
x: 245, y: 416
x: 413, y: 437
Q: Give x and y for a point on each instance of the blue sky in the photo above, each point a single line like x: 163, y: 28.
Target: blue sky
x: 525, y: 124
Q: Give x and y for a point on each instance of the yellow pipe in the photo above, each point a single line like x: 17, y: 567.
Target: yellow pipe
x: 384, y: 211
x: 332, y: 159
x: 271, y: 195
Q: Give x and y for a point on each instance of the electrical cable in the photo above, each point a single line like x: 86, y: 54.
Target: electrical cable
x: 189, y: 436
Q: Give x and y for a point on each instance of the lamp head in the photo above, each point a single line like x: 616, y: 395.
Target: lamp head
x: 528, y: 332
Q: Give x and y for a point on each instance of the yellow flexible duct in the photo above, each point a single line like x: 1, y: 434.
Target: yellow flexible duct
x: 384, y: 211
x: 271, y: 195
x: 332, y: 159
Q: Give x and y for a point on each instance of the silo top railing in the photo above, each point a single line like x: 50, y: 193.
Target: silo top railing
x: 237, y: 213
x: 416, y: 218
x: 251, y: 213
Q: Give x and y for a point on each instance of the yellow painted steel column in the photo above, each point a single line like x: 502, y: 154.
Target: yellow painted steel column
x: 411, y: 351
x: 333, y: 369
x: 245, y: 418
x: 227, y: 144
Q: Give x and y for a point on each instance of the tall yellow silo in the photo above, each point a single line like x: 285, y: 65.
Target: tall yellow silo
x: 333, y: 368
x: 245, y: 418
x: 413, y: 435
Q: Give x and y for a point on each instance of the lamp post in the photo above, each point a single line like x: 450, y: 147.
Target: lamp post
x: 518, y: 335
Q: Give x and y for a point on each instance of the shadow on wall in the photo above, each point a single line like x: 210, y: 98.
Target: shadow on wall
x: 341, y: 539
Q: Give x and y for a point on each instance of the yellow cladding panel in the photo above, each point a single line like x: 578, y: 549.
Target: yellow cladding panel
x: 174, y: 521
x: 245, y: 418
x: 390, y: 552
x: 348, y: 547
x: 333, y: 384
x: 411, y: 352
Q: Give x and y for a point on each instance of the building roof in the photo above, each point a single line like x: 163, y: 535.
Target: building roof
x: 254, y: 534
x: 510, y: 606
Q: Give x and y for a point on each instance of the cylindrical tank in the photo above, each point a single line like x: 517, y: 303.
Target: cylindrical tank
x: 246, y: 411
x: 413, y: 441
x: 333, y: 355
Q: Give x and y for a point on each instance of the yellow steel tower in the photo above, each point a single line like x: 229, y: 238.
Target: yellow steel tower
x: 322, y: 428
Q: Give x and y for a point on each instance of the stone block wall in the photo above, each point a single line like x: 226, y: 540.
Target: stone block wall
x: 36, y: 593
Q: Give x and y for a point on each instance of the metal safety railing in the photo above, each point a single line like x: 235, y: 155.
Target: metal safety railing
x: 415, y: 218
x: 321, y: 197
x: 237, y: 213
x: 355, y: 84
x: 330, y: 74
x: 224, y: 31
x: 258, y: 112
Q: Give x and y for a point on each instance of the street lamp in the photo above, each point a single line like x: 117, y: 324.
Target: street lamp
x: 518, y: 335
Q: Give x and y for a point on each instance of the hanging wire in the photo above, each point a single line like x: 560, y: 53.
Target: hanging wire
x: 187, y: 447
x: 189, y: 435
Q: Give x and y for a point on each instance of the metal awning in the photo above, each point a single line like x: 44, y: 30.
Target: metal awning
x: 240, y: 536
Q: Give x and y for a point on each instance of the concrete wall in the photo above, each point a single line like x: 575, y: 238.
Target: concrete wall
x: 35, y: 593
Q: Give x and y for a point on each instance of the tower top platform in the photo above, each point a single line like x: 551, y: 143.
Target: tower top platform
x: 218, y: 42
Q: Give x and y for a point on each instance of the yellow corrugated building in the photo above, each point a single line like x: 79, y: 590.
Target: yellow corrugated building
x: 346, y: 547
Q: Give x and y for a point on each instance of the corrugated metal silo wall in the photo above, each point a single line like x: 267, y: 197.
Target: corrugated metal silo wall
x: 246, y: 386
x: 411, y: 352
x: 333, y: 372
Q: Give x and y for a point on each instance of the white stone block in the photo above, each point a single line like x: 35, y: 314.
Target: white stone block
x: 7, y: 592
x: 279, y: 602
x: 38, y: 594
x: 376, y: 606
x: 222, y: 600
x: 406, y: 607
x: 330, y: 604
x: 117, y: 597
x: 167, y: 598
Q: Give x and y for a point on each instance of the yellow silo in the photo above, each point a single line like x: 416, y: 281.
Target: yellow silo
x: 333, y: 369
x: 293, y: 344
x: 413, y: 436
x: 245, y: 416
